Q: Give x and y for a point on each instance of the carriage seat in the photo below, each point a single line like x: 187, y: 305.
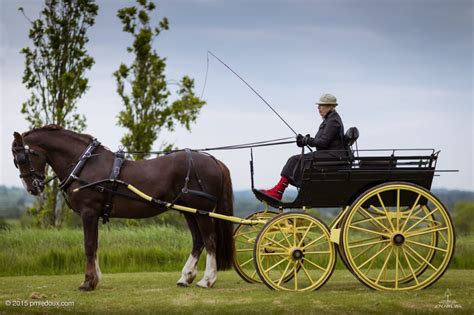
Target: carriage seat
x: 351, y: 136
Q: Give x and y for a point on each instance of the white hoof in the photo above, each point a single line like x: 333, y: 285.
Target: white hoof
x: 205, y: 284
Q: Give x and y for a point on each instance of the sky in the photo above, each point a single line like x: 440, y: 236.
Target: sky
x: 402, y: 72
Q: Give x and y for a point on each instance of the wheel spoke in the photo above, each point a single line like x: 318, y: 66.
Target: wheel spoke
x: 364, y: 251
x: 396, y: 259
x: 386, y: 212
x: 400, y: 264
x: 414, y: 258
x: 284, y: 235
x: 419, y: 256
x: 425, y: 231
x: 295, y: 275
x: 282, y: 254
x: 373, y: 257
x: 314, y: 264
x: 368, y: 231
x: 294, y: 232
x: 422, y: 219
x: 409, y: 265
x: 254, y: 273
x: 246, y: 262
x: 375, y: 220
x: 276, y: 242
x: 413, y: 207
x: 313, y: 242
x: 363, y: 240
x: 384, y: 265
x: 427, y: 246
x: 367, y: 244
x: 305, y: 233
x: 275, y: 265
x: 443, y: 237
x: 284, y: 273
x: 244, y: 250
x: 318, y: 252
x: 398, y: 209
x: 306, y: 273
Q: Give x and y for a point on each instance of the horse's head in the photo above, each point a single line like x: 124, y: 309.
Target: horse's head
x: 31, y: 162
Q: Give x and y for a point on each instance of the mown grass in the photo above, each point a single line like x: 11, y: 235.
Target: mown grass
x: 156, y: 293
x: 132, y: 249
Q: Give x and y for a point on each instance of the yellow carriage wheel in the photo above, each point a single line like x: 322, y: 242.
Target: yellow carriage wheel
x: 297, y: 244
x: 398, y: 236
x: 244, y: 239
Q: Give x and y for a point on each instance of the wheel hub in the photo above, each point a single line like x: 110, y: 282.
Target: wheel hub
x: 398, y: 239
x: 297, y: 254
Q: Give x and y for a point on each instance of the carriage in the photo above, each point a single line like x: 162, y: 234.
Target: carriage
x: 391, y: 232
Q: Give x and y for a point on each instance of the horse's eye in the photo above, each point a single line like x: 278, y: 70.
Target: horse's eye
x: 21, y: 158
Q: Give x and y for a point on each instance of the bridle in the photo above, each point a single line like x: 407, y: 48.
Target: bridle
x: 22, y: 158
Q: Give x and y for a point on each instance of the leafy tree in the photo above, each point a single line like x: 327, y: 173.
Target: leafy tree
x: 55, y: 65
x: 143, y: 88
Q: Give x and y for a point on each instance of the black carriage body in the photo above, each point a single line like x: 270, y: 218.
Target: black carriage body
x: 336, y: 182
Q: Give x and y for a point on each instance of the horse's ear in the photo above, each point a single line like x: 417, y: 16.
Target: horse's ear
x: 18, y: 138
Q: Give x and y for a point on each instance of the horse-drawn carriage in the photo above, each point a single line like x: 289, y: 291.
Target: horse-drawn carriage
x: 392, y: 233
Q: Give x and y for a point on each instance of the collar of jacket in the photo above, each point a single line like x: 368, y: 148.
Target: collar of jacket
x: 329, y: 114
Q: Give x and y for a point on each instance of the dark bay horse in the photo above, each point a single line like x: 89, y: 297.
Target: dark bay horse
x: 162, y: 178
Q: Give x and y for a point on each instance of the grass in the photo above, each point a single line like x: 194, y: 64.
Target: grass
x: 134, y: 249
x: 43, y: 251
x: 155, y: 292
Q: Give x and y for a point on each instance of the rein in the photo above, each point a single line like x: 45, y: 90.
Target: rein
x: 265, y: 143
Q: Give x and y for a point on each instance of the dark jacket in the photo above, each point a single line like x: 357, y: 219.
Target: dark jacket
x: 330, y: 135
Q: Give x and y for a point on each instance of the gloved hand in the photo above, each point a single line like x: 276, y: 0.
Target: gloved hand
x: 306, y: 139
x: 299, y: 140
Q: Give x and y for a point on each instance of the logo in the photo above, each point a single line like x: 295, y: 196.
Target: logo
x: 447, y: 302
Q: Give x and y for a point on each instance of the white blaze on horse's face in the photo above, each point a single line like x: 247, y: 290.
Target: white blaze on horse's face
x: 210, y: 275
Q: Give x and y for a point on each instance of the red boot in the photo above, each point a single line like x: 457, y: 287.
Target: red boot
x: 277, y: 191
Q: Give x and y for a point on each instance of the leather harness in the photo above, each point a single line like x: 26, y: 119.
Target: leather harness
x: 119, y: 158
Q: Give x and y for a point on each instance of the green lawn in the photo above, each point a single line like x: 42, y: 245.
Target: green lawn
x: 155, y: 292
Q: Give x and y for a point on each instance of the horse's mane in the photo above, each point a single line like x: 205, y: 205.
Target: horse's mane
x: 54, y: 127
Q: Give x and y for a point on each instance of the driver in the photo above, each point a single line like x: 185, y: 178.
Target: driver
x: 329, y: 142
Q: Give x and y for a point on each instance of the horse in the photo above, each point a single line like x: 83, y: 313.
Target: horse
x: 79, y: 158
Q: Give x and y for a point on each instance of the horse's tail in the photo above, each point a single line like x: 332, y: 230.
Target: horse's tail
x: 224, y: 229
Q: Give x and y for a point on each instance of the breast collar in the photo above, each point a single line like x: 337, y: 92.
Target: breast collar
x: 73, y: 175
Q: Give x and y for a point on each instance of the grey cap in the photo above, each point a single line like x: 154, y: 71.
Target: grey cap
x: 327, y: 99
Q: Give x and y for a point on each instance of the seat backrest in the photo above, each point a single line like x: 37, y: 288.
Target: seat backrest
x: 351, y: 136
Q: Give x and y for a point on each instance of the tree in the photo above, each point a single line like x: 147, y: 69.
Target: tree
x: 54, y: 73
x: 142, y: 85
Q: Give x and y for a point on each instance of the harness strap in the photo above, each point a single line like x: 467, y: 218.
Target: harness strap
x: 185, y: 190
x: 79, y: 165
x: 119, y: 158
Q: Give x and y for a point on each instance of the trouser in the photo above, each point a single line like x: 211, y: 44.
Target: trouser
x: 293, y: 169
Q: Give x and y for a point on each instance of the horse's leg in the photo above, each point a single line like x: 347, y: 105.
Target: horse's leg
x: 206, y: 226
x: 189, y: 271
x: 90, y: 222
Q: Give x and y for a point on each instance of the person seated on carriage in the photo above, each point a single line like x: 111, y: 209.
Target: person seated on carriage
x: 329, y: 142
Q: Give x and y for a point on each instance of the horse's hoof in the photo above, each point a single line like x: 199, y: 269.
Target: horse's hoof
x: 204, y: 284
x: 181, y: 284
x: 87, y: 286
